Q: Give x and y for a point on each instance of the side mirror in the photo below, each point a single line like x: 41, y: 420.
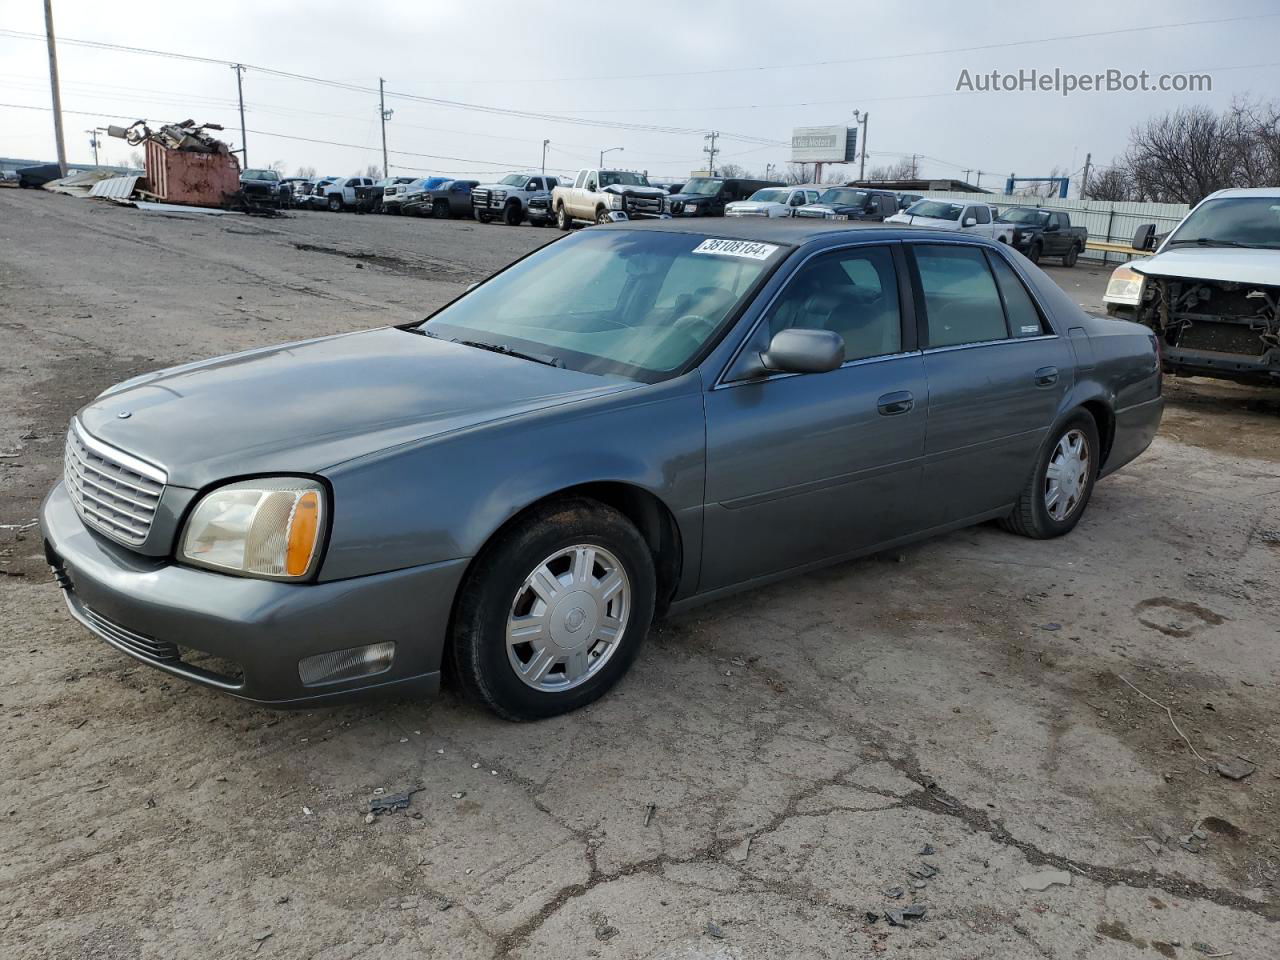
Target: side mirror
x: 970, y: 222
x: 803, y: 351
x: 1050, y: 227
x: 1144, y: 238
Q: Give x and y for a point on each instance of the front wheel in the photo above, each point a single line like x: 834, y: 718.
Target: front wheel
x: 1069, y: 258
x: 512, y: 214
x: 1055, y: 498
x: 440, y: 209
x: 554, y: 610
x: 1033, y: 252
x: 562, y: 218
x: 483, y: 217
x: 602, y: 215
x: 335, y: 204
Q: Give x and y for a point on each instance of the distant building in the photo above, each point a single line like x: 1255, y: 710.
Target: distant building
x: 920, y: 186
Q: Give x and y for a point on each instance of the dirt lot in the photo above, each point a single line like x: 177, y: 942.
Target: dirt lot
x: 773, y: 762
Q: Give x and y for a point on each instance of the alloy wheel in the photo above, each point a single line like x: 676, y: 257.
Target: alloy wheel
x: 1066, y: 476
x: 568, y: 618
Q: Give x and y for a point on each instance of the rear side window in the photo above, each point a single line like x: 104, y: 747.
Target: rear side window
x: 961, y: 301
x: 982, y: 214
x: 1024, y: 318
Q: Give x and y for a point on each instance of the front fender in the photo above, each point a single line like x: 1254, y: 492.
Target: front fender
x: 442, y: 498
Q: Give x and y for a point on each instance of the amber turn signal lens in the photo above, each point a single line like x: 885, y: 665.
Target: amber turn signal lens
x: 304, y: 528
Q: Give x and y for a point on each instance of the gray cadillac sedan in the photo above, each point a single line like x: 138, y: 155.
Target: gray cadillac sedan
x: 627, y: 421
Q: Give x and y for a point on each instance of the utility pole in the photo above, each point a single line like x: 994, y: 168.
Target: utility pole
x: 860, y: 117
x: 53, y: 84
x: 978, y: 182
x: 603, y: 152
x: 386, y: 115
x: 545, y: 144
x: 1084, y: 180
x: 244, y: 147
x: 915, y: 169
x: 711, y: 151
x: 93, y: 142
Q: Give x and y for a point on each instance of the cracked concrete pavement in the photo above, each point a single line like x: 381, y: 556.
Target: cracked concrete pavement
x: 772, y: 764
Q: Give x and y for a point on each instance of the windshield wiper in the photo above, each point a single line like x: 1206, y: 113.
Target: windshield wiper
x: 1211, y: 242
x: 508, y: 351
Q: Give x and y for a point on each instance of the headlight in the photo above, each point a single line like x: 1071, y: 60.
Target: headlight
x: 269, y: 527
x: 615, y: 202
x: 1125, y: 286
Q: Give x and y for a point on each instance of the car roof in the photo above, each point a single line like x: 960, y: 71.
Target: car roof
x: 1246, y: 192
x: 792, y: 230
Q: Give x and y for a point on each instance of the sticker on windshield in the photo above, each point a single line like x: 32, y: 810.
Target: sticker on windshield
x: 737, y: 248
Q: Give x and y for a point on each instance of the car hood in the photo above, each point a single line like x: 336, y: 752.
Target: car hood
x: 754, y: 205
x: 302, y: 407
x: 635, y: 191
x: 827, y: 208
x: 935, y: 223
x: 1228, y: 264
x: 686, y: 197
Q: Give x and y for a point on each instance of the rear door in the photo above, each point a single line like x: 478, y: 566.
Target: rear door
x: 997, y: 374
x: 806, y: 467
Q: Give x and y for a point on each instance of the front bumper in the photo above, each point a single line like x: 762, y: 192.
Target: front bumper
x: 246, y: 636
x: 1238, y: 367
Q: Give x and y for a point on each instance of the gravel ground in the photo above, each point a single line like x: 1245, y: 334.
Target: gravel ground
x: 772, y: 764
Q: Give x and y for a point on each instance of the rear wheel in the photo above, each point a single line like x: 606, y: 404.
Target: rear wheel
x: 1069, y: 258
x: 512, y: 214
x: 554, y: 610
x: 1058, y: 492
x: 440, y: 209
x: 562, y: 218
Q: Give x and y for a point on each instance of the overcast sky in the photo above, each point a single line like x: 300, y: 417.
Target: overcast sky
x: 747, y: 69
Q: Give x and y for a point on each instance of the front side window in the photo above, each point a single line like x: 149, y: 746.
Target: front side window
x: 961, y: 301
x: 851, y: 292
x: 638, y: 304
x: 982, y: 214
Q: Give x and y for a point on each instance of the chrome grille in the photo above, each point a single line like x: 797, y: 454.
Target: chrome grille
x: 480, y: 198
x: 112, y: 491
x: 149, y: 648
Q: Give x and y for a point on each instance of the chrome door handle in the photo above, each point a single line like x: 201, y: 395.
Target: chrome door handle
x: 1046, y: 376
x: 892, y: 404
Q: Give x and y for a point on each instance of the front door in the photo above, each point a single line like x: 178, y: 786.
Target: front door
x: 997, y: 375
x: 806, y: 467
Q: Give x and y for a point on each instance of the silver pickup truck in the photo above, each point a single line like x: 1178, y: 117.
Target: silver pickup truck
x: 601, y: 196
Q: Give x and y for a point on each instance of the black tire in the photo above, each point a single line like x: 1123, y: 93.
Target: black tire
x: 1034, y: 251
x: 563, y: 221
x: 393, y: 210
x: 478, y: 645
x: 1030, y: 516
x: 512, y: 214
x: 483, y: 217
x: 1069, y: 258
x: 440, y: 209
x: 335, y: 204
x: 602, y: 215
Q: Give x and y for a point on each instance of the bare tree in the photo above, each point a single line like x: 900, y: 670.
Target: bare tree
x: 902, y: 169
x: 136, y: 161
x: 732, y: 170
x: 1183, y: 155
x: 277, y: 166
x: 372, y: 171
x: 1042, y: 188
x: 1111, y: 183
x: 307, y: 173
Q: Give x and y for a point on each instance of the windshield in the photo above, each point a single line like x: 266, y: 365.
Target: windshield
x: 512, y: 179
x: 770, y: 196
x: 1231, y: 221
x: 845, y: 198
x: 702, y: 187
x: 1023, y: 215
x: 936, y: 209
x: 623, y: 177
x: 259, y: 175
x: 640, y: 304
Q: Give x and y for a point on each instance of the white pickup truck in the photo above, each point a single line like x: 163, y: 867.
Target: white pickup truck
x: 975, y: 217
x: 1211, y: 291
x: 600, y: 196
x: 509, y: 197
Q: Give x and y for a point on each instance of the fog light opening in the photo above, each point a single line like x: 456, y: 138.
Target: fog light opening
x: 350, y: 664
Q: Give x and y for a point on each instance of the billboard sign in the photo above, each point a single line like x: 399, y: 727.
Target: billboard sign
x: 824, y: 144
